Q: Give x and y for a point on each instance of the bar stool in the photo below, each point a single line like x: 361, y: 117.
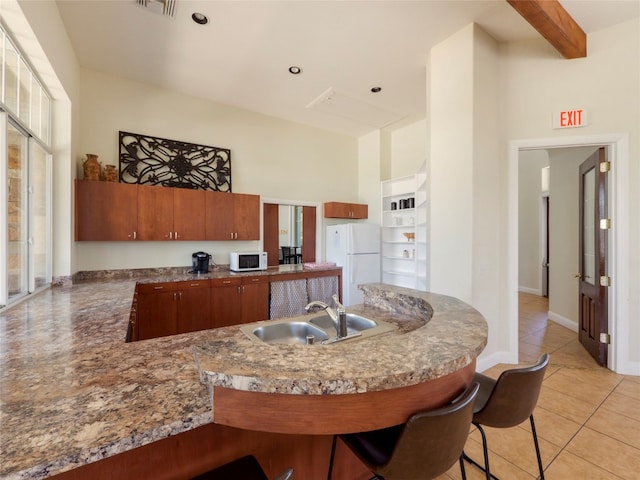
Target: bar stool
x: 421, y: 449
x: 244, y: 468
x: 507, y: 402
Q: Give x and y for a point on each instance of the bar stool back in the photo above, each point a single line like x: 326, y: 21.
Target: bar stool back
x: 421, y: 449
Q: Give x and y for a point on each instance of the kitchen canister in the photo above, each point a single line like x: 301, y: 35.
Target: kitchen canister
x: 394, y: 205
x: 92, y: 168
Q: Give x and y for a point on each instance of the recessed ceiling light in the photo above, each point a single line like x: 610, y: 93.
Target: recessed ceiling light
x: 200, y: 18
x: 376, y: 89
x: 293, y: 70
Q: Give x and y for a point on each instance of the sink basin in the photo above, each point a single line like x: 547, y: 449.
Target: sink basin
x: 289, y: 332
x: 355, y: 323
x: 294, y: 331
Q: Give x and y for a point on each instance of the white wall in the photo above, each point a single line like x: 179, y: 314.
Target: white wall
x: 529, y: 220
x: 539, y: 83
x: 408, y: 149
x: 269, y: 157
x: 564, y: 231
x: 371, y: 160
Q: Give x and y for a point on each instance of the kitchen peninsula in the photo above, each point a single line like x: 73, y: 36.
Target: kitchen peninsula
x: 78, y: 401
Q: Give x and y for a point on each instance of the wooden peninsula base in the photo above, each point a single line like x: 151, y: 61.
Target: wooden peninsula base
x: 281, y: 431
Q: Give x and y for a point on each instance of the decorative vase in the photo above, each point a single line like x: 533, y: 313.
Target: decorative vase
x: 91, y: 167
x: 110, y: 173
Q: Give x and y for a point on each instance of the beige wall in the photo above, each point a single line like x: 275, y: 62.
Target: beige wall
x: 408, y: 149
x: 529, y: 220
x: 607, y: 82
x: 564, y: 222
x: 269, y: 157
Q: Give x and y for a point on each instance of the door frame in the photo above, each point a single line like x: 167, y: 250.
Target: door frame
x: 617, y: 146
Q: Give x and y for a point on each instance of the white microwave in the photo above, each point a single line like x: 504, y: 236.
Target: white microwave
x: 247, y: 261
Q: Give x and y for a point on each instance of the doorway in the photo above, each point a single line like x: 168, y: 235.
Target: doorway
x: 618, y: 248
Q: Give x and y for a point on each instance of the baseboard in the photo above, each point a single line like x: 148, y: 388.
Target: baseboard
x: 564, y: 321
x: 629, y: 368
x: 485, y: 362
x: 533, y: 291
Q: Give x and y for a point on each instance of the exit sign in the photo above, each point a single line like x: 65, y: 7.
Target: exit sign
x: 570, y: 118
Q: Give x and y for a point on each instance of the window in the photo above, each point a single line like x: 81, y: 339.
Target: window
x: 25, y: 163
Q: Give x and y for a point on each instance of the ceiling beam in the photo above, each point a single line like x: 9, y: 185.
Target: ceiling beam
x: 555, y: 24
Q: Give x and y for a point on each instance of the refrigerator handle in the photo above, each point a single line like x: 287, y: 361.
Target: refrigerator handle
x: 352, y: 271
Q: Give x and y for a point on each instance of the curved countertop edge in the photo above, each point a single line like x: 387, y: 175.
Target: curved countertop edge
x: 452, y: 337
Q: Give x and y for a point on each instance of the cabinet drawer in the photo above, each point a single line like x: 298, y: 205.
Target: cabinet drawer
x: 191, y: 284
x: 157, y: 287
x: 256, y: 279
x: 226, y: 282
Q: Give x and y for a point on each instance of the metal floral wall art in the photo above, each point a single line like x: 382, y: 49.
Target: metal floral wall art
x: 171, y: 163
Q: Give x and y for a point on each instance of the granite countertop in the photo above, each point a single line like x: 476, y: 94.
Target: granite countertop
x: 73, y: 392
x: 437, y: 335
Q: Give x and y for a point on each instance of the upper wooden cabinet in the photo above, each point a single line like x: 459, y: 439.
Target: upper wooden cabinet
x: 232, y: 216
x: 346, y: 210
x: 109, y: 211
x: 105, y: 211
x: 170, y: 213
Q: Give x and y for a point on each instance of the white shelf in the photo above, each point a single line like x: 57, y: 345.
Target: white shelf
x: 397, y: 269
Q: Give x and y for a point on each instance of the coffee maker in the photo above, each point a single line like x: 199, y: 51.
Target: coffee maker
x: 200, y: 262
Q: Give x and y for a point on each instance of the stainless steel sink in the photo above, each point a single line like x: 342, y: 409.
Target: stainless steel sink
x: 290, y: 332
x: 355, y: 323
x: 320, y: 327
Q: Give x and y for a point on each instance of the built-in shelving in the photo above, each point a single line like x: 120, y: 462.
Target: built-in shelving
x: 405, y: 214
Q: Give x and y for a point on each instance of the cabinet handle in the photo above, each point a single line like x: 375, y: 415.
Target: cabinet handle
x: 235, y: 235
x: 243, y: 289
x: 132, y: 235
x: 158, y: 288
x: 238, y: 290
x: 180, y: 296
x: 174, y: 296
x: 226, y: 282
x: 231, y: 235
x: 176, y: 235
x: 194, y: 284
x: 255, y: 279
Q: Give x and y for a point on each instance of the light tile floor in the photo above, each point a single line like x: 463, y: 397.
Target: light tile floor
x: 587, y: 417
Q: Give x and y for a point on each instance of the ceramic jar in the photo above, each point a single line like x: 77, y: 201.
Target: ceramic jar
x: 92, y: 167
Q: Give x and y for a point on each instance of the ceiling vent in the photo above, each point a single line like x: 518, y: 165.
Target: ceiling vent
x: 336, y: 103
x: 163, y: 7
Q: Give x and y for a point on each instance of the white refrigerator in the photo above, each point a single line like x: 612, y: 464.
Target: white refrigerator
x: 356, y: 248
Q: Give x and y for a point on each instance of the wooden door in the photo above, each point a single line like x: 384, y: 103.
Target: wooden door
x: 226, y: 302
x: 194, y: 306
x: 105, y: 211
x: 270, y: 238
x: 219, y: 214
x: 593, y: 307
x: 255, y: 298
x: 246, y: 216
x: 308, y: 234
x: 155, y: 213
x: 188, y: 214
x: 157, y: 313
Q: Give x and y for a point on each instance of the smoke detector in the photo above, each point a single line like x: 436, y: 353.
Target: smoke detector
x: 163, y: 7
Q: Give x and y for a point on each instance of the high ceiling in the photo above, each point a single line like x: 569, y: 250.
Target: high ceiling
x: 345, y: 48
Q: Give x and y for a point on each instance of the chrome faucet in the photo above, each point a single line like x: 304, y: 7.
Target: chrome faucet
x: 338, y: 316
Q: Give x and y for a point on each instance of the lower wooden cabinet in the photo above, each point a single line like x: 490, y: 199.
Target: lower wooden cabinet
x: 171, y: 308
x: 161, y: 309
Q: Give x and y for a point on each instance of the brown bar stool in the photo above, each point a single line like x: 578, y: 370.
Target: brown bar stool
x: 507, y: 402
x: 244, y: 468
x: 421, y: 449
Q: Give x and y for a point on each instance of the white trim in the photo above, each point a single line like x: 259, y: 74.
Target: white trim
x: 485, y: 363
x: 619, y: 260
x: 3, y: 211
x: 533, y: 291
x: 563, y: 321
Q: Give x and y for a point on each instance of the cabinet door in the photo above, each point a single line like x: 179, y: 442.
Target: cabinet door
x: 105, y: 211
x: 247, y: 216
x: 155, y: 213
x: 255, y: 299
x: 226, y: 302
x: 219, y: 214
x: 157, y: 311
x: 194, y: 308
x: 359, y: 211
x: 188, y: 214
